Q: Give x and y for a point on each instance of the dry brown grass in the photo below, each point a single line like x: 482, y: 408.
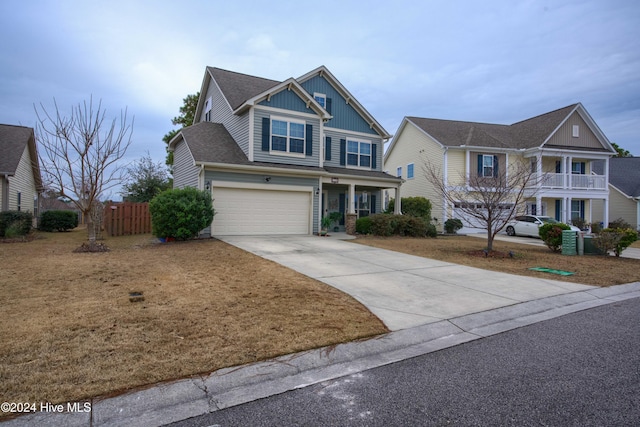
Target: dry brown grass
x: 465, y: 250
x: 70, y: 332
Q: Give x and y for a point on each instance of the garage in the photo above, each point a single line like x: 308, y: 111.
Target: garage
x: 247, y: 211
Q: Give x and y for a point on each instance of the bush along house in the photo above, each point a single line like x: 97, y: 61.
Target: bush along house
x: 278, y: 156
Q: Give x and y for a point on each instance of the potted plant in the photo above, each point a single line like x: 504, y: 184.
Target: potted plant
x: 335, y: 217
x: 325, y: 223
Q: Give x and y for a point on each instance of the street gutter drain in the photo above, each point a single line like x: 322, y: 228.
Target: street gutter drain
x: 136, y: 297
x: 552, y: 271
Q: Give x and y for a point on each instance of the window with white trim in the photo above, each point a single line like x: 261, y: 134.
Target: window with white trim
x: 487, y: 165
x: 287, y: 136
x: 410, y: 171
x: 358, y: 153
x: 207, y: 110
x: 321, y: 98
x: 399, y: 172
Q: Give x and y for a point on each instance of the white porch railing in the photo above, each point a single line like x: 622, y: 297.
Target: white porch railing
x: 577, y: 182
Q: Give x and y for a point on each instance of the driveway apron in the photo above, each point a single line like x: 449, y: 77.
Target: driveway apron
x: 403, y: 290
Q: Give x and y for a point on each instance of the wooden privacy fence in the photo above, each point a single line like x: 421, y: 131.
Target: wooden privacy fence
x: 121, y: 219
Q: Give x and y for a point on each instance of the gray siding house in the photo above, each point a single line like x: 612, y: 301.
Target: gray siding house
x: 20, y: 180
x: 277, y: 156
x: 624, y: 189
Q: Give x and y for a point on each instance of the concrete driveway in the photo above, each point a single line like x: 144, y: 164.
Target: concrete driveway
x: 402, y: 290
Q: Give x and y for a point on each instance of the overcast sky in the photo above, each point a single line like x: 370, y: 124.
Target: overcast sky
x: 496, y: 61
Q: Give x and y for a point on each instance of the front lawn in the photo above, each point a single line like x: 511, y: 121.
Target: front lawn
x: 70, y: 331
x: 466, y: 250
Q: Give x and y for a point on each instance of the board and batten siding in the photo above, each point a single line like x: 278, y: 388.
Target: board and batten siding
x: 185, y: 173
x: 266, y: 156
x: 564, y: 136
x: 237, y: 126
x: 259, y: 179
x: 24, y: 183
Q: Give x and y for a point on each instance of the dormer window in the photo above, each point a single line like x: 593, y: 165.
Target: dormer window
x: 321, y: 99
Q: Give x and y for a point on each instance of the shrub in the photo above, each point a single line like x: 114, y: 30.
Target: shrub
x: 18, y: 223
x: 401, y: 225
x: 616, y: 240
x: 619, y: 224
x: 181, y: 213
x: 58, y: 221
x: 431, y: 230
x: 452, y: 225
x: 363, y: 225
x: 413, y: 206
x: 580, y: 223
x: 551, y: 234
x: 596, y: 227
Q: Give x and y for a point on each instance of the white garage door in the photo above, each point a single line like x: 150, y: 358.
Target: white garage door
x: 249, y: 211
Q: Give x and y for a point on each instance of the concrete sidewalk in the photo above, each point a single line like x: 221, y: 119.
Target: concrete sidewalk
x: 179, y: 400
x: 403, y: 290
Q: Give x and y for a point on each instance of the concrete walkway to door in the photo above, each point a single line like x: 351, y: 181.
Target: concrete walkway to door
x: 403, y: 290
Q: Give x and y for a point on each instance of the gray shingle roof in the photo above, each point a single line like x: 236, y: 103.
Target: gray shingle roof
x: 212, y: 143
x: 624, y: 174
x: 528, y: 133
x: 237, y: 87
x: 13, y: 140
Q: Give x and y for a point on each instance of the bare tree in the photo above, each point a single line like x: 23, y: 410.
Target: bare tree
x: 488, y: 202
x: 79, y: 154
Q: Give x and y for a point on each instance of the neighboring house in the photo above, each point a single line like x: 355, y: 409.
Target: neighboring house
x: 277, y: 156
x: 624, y: 189
x: 20, y: 180
x: 561, y: 147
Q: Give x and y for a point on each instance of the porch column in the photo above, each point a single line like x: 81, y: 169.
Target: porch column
x: 352, y: 199
x: 567, y: 215
x: 606, y: 213
x: 569, y: 183
x: 350, y: 224
x: 539, y: 206
x: 397, y: 206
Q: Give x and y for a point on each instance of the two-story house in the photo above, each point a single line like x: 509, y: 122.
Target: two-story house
x: 277, y: 156
x: 560, y: 147
x: 20, y: 180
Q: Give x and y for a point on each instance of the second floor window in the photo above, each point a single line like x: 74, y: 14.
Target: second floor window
x: 287, y: 136
x: 487, y: 165
x: 321, y: 98
x: 359, y: 154
x: 410, y: 171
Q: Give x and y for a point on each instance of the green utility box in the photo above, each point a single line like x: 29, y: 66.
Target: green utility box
x: 569, y: 242
x: 589, y: 247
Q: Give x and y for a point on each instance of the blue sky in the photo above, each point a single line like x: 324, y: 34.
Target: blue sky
x: 493, y: 61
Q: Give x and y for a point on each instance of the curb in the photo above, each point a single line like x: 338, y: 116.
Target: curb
x: 175, y: 401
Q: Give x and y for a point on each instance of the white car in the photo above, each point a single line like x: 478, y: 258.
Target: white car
x: 528, y: 225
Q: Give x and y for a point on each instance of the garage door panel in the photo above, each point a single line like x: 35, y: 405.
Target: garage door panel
x: 251, y: 211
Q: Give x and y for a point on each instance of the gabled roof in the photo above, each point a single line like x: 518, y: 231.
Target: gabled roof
x: 243, y: 91
x: 624, y: 174
x: 13, y: 140
x: 210, y: 143
x: 527, y: 134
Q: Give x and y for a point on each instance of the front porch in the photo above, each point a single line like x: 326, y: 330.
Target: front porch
x: 568, y: 209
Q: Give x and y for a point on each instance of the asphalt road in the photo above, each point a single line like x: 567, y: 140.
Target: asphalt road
x: 582, y: 369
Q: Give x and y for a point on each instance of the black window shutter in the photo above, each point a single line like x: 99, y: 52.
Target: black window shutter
x: 558, y: 166
x: 495, y: 166
x: 583, y: 169
x: 309, y: 138
x: 328, y: 105
x: 341, y: 205
x: 343, y: 152
x: 480, y: 166
x: 373, y: 203
x: 374, y: 155
x: 327, y: 148
x: 266, y: 132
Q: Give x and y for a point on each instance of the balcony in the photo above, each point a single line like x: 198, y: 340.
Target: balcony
x: 572, y: 182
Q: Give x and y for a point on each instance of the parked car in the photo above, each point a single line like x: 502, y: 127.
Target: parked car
x: 528, y: 225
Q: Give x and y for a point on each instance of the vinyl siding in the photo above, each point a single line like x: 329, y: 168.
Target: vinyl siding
x: 237, y: 126
x: 456, y: 167
x: 336, y: 135
x: 185, y: 173
x: 622, y: 207
x: 414, y: 146
x: 250, y: 178
x: 22, y: 182
x: 266, y: 156
x: 287, y: 100
x: 564, y: 136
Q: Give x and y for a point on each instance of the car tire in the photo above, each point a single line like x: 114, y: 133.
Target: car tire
x: 511, y: 231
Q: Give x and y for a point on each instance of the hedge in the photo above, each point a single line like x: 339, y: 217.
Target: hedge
x: 181, y: 213
x: 15, y: 223
x: 58, y: 221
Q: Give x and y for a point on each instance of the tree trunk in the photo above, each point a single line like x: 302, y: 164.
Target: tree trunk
x: 91, y: 230
x: 489, y: 239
